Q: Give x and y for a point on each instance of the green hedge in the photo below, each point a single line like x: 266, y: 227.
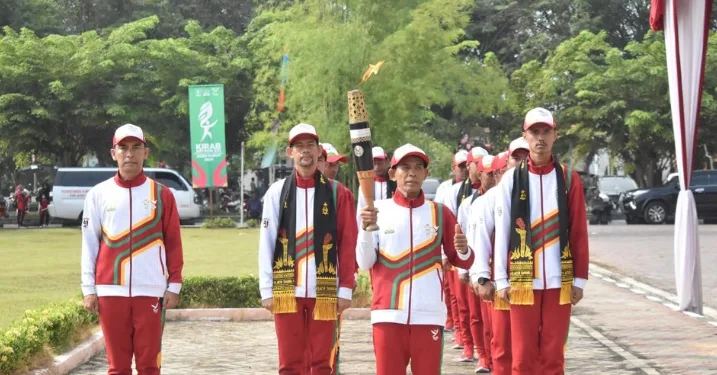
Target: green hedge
x: 219, y: 222
x: 57, y: 324
x: 53, y: 326
x: 216, y: 292
x: 235, y: 292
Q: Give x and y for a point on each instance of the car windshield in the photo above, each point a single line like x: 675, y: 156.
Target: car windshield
x: 430, y: 186
x: 616, y: 185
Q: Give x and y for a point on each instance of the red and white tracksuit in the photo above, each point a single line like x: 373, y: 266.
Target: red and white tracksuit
x: 298, y: 332
x: 539, y: 331
x: 130, y: 267
x: 497, y: 322
x: 442, y: 194
x: 478, y: 323
x: 404, y: 256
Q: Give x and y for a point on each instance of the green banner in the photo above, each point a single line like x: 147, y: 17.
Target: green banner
x: 206, y: 125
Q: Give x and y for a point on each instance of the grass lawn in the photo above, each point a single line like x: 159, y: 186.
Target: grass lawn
x: 41, y: 266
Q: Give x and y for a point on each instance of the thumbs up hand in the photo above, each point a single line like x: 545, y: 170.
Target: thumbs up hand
x: 460, y: 242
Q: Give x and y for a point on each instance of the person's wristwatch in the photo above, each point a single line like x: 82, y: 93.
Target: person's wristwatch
x: 483, y: 280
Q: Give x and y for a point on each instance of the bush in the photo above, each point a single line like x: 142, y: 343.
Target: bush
x: 363, y: 293
x: 236, y: 292
x: 252, y: 223
x: 220, y: 292
x: 54, y: 326
x: 219, y: 222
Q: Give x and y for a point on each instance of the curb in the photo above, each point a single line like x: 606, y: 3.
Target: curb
x: 654, y: 294
x: 65, y: 363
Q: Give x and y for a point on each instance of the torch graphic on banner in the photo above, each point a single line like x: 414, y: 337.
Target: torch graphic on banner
x: 361, y: 142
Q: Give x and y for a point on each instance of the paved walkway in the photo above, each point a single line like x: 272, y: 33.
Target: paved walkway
x: 615, y: 331
x: 249, y: 348
x: 645, y: 252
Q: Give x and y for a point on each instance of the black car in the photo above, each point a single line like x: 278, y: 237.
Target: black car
x: 602, y: 195
x: 657, y: 205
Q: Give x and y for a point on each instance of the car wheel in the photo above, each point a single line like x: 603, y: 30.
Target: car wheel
x: 655, y: 213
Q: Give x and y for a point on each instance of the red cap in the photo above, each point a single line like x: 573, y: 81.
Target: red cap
x: 486, y: 164
x: 517, y: 144
x: 460, y: 157
x: 475, y: 154
x: 378, y: 153
x: 302, y: 129
x: 331, y: 155
x: 538, y: 116
x: 128, y: 131
x: 500, y: 161
x: 406, y: 151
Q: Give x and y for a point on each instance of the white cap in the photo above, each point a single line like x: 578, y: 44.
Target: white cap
x: 408, y: 150
x: 332, y: 155
x: 302, y: 129
x: 378, y: 153
x: 518, y: 143
x: 475, y: 154
x: 127, y: 131
x: 538, y: 116
x: 486, y: 163
x: 460, y: 157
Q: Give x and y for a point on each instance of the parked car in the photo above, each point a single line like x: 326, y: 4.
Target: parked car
x: 430, y: 185
x: 72, y: 185
x: 657, y: 205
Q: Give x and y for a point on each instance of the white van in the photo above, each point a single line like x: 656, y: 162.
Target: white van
x: 71, y: 185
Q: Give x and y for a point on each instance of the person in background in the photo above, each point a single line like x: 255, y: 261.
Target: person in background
x: 43, y: 199
x: 333, y: 158
x: 22, y: 201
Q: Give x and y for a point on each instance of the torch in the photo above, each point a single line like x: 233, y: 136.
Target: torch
x: 361, y: 145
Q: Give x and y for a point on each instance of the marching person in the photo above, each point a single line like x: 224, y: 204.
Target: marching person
x: 329, y: 165
x: 332, y: 159
x: 496, y: 316
x: 304, y: 285
x: 460, y: 173
x: 478, y: 319
x: 469, y: 315
x: 383, y: 186
x: 541, y: 249
x: 129, y: 223
x: 404, y: 256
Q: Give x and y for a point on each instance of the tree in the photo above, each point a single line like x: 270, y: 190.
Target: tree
x: 332, y: 43
x: 606, y: 97
x: 64, y: 95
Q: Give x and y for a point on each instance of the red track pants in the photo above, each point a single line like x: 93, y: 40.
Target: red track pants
x: 395, y: 344
x: 539, y: 333
x: 500, y: 347
x: 461, y: 291
x: 132, y: 326
x: 298, y: 333
x: 479, y: 325
x: 452, y: 302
